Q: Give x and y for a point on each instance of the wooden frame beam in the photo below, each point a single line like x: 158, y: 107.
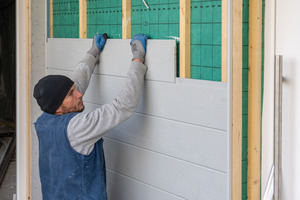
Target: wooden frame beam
x: 185, y: 39
x: 254, y: 99
x: 126, y: 19
x: 237, y: 72
x: 51, y: 18
x: 23, y: 119
x: 82, y: 19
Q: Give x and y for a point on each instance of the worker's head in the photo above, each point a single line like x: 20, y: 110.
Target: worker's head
x: 56, y: 94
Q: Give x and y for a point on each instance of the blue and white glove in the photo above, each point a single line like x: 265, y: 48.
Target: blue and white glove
x: 98, y: 44
x: 138, y: 46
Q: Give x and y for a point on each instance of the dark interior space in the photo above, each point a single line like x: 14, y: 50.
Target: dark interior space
x: 7, y: 61
x: 7, y: 99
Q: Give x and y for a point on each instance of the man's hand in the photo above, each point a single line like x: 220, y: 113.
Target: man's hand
x: 138, y: 46
x: 98, y: 44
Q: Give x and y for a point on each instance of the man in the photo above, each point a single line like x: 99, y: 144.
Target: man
x: 71, y: 158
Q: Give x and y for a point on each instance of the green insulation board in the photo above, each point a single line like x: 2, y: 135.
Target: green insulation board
x: 104, y: 17
x: 160, y: 21
x: 206, y: 40
x: 245, y: 43
x: 65, y: 19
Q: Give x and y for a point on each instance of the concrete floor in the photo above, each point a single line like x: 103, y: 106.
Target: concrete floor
x: 8, y: 186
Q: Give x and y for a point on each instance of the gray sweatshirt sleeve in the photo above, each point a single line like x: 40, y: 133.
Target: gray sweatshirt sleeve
x: 85, y: 129
x: 83, y: 72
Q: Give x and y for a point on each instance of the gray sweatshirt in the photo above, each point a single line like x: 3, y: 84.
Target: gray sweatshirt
x: 86, y: 128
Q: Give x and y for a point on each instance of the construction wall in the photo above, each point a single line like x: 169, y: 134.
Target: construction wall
x: 176, y: 146
x: 160, y: 21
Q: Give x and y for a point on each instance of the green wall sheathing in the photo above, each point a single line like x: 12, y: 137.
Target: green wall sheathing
x: 104, y: 17
x: 160, y: 21
x: 206, y: 39
x: 245, y: 98
x: 263, y: 50
x: 65, y: 19
x: 245, y: 90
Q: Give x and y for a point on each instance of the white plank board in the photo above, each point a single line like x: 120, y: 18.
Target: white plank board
x: 177, y: 177
x: 197, y: 102
x: 116, y: 57
x: 120, y: 187
x: 191, y: 143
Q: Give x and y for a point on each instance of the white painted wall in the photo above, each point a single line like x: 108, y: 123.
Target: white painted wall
x: 268, y: 103
x: 288, y: 45
x: 38, y: 56
x: 282, y: 38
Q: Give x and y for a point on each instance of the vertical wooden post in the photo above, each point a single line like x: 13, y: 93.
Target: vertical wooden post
x: 224, y: 41
x: 51, y: 18
x: 237, y: 69
x: 126, y: 19
x: 23, y: 119
x: 82, y: 19
x: 254, y: 98
x: 185, y: 39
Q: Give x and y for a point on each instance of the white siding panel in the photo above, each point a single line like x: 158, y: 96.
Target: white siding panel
x: 120, y: 187
x: 199, y: 104
x: 192, y: 101
x: 191, y: 143
x: 169, y: 174
x: 116, y: 57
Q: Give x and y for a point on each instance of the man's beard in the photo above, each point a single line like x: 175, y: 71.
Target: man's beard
x: 65, y: 110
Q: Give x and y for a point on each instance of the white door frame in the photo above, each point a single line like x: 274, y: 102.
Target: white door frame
x: 23, y: 46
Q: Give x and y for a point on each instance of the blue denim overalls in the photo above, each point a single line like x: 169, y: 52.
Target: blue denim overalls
x: 64, y: 173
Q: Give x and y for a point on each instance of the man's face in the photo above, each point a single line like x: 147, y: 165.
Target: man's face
x: 72, y: 102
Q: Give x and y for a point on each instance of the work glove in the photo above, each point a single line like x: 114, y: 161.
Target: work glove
x: 98, y: 44
x: 138, y: 46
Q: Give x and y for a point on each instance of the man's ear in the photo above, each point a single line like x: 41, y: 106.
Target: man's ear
x: 59, y: 111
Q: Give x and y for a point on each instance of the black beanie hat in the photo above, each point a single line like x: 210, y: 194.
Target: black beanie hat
x: 51, y: 91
